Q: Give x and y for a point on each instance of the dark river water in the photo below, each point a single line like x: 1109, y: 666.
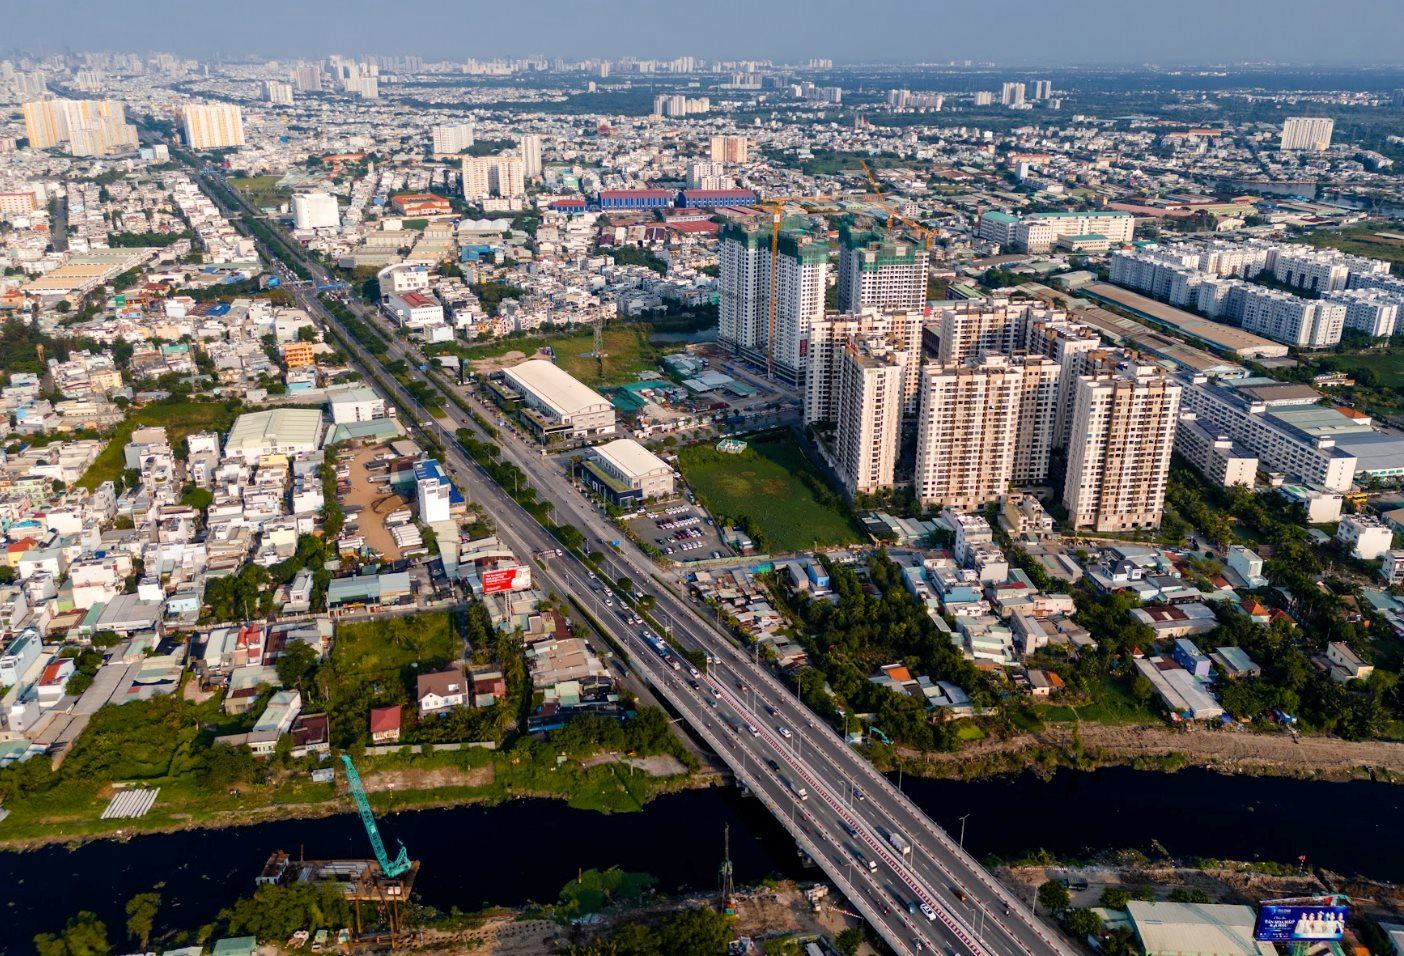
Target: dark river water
x: 526, y: 850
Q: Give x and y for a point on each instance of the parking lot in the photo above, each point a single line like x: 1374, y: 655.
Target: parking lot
x: 681, y: 530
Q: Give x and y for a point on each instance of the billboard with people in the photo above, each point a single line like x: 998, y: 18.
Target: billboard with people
x: 1290, y: 924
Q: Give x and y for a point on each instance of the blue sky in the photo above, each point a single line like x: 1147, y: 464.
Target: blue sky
x: 1034, y: 32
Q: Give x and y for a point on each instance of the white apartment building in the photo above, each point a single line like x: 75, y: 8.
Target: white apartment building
x: 707, y: 174
x: 1368, y: 311
x: 1281, y: 447
x: 1072, y: 347
x: 493, y: 176
x: 998, y: 227
x: 434, y: 496
x: 1307, y: 132
x: 278, y: 92
x: 967, y: 431
x: 869, y: 392
x: 1040, y: 231
x: 1012, y: 94
x: 744, y: 323
x: 1217, y: 457
x: 315, y: 211
x: 829, y: 337
x: 1283, y: 317
x: 1123, y: 428
x: 977, y: 327
x: 213, y: 126
x: 452, y: 138
x: 529, y: 146
x: 1367, y: 536
x: 729, y: 149
x: 403, y: 277
x: 876, y: 270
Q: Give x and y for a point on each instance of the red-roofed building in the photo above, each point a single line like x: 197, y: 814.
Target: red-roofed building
x: 568, y: 204
x: 694, y: 228
x: 385, y: 725
x: 421, y: 204
x: 53, y: 680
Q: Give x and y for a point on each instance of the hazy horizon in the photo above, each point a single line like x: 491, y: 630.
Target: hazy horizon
x: 1019, y: 32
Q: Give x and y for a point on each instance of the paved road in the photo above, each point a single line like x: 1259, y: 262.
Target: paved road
x: 58, y: 228
x: 966, y: 911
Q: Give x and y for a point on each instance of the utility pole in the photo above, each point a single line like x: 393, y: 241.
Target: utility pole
x: 962, y: 830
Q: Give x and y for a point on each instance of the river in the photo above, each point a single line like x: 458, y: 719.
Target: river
x: 526, y: 850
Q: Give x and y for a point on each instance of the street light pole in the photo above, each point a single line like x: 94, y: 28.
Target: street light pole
x: 962, y: 830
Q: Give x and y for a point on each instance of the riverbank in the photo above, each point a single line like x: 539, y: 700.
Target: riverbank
x: 1090, y: 746
x: 612, y: 786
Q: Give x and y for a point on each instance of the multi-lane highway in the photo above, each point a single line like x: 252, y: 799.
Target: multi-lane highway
x: 933, y: 897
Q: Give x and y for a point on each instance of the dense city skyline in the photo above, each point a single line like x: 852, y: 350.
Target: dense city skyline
x: 1100, y: 32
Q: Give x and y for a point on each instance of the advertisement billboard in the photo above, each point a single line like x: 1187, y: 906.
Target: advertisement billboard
x: 506, y: 579
x: 1290, y: 924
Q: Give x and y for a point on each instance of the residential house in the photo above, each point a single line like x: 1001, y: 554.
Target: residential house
x: 441, y: 690
x: 385, y: 725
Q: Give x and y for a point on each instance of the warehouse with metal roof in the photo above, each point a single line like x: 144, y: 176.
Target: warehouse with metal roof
x: 559, y: 404
x: 280, y: 431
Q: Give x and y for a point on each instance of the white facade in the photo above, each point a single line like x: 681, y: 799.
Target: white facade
x: 562, y: 400
x: 213, y: 126
x: 486, y: 177
x: 744, y: 283
x: 448, y: 140
x: 1216, y: 457
x: 881, y: 272
x: 1283, y: 317
x: 1368, y: 537
x: 1307, y: 132
x: 967, y: 430
x: 529, y: 145
x: 278, y: 92
x: 634, y: 465
x: 869, y: 388
x: 315, y: 211
x: 86, y: 127
x: 1119, y: 444
x: 434, y: 497
x: 1368, y: 311
x: 1039, y: 232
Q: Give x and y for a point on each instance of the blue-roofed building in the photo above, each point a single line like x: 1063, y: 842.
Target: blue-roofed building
x: 436, y: 494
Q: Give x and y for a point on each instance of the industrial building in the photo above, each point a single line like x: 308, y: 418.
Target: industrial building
x: 281, y: 431
x: 557, y: 404
x: 624, y: 471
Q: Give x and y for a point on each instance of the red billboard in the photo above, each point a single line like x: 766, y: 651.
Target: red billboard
x: 506, y: 579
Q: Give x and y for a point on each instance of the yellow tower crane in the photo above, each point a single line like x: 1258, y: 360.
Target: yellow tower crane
x: 926, y: 234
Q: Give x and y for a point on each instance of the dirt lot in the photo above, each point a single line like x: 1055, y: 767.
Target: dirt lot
x: 375, y: 501
x: 403, y: 780
x: 498, y: 362
x: 1277, y: 753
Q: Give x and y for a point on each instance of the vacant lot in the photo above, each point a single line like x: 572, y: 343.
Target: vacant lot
x: 260, y: 191
x: 179, y: 419
x: 773, y: 484
x: 377, y: 663
x: 1362, y: 241
x: 1389, y: 367
x: 627, y: 352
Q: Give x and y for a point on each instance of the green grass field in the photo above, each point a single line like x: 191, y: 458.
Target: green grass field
x: 1390, y: 368
x: 1111, y: 703
x: 260, y: 191
x: 765, y: 484
x: 627, y: 353
x: 1362, y: 241
x: 179, y: 418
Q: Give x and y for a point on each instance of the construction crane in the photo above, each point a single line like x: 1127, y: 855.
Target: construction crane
x: 728, y: 886
x: 390, y: 868
x: 926, y: 234
x: 777, y: 215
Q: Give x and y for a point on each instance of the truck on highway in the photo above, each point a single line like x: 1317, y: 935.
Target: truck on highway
x: 899, y: 843
x: 798, y: 791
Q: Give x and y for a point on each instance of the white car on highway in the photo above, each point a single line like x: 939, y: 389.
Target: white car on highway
x: 783, y: 731
x: 927, y: 911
